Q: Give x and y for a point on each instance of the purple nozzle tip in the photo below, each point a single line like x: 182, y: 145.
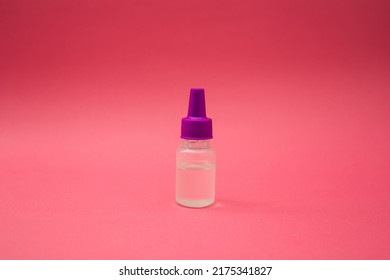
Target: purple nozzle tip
x: 197, y: 105
x: 196, y: 125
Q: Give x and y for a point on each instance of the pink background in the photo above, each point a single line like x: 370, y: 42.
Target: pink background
x: 91, y: 97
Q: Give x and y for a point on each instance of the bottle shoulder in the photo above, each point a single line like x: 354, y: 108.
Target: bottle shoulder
x: 196, y: 144
x: 195, y: 151
x: 185, y: 154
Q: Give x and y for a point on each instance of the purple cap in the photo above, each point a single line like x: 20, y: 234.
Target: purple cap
x: 196, y: 125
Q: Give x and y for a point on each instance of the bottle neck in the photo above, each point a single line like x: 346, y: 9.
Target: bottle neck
x: 196, y: 144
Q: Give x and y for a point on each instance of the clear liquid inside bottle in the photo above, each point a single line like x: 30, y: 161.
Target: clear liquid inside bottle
x: 195, y: 173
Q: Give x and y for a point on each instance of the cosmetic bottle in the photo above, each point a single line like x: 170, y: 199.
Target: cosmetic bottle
x: 195, y: 158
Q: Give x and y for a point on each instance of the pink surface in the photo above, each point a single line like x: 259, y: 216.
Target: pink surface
x: 91, y: 96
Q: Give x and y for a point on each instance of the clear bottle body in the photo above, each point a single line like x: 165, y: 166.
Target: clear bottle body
x: 195, y: 173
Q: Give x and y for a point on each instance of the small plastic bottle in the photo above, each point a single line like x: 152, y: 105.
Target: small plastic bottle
x: 195, y: 158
